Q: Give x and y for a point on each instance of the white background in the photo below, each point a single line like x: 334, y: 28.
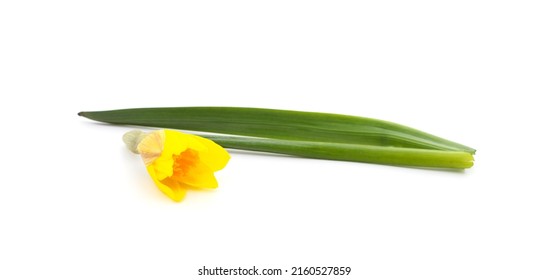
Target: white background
x: 74, y: 204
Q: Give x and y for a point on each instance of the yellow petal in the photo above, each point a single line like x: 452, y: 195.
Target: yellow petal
x: 215, y: 156
x: 163, y: 167
x: 199, y: 175
x: 172, y: 189
x: 174, y: 143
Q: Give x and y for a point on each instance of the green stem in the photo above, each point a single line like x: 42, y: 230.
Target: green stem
x: 350, y: 152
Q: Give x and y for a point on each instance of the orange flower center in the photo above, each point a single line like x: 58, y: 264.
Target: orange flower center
x: 183, y: 162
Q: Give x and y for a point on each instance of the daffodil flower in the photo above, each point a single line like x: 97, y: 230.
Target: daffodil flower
x: 177, y: 161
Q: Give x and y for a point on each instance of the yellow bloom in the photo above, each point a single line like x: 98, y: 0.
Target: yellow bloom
x: 177, y: 161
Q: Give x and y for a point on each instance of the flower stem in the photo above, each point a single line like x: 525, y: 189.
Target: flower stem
x: 350, y: 152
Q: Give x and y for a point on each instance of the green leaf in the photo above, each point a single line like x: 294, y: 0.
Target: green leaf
x: 281, y: 124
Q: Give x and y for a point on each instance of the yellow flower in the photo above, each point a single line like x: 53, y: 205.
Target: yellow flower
x: 177, y: 161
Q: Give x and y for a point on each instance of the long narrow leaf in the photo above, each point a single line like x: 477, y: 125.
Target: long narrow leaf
x: 280, y: 124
